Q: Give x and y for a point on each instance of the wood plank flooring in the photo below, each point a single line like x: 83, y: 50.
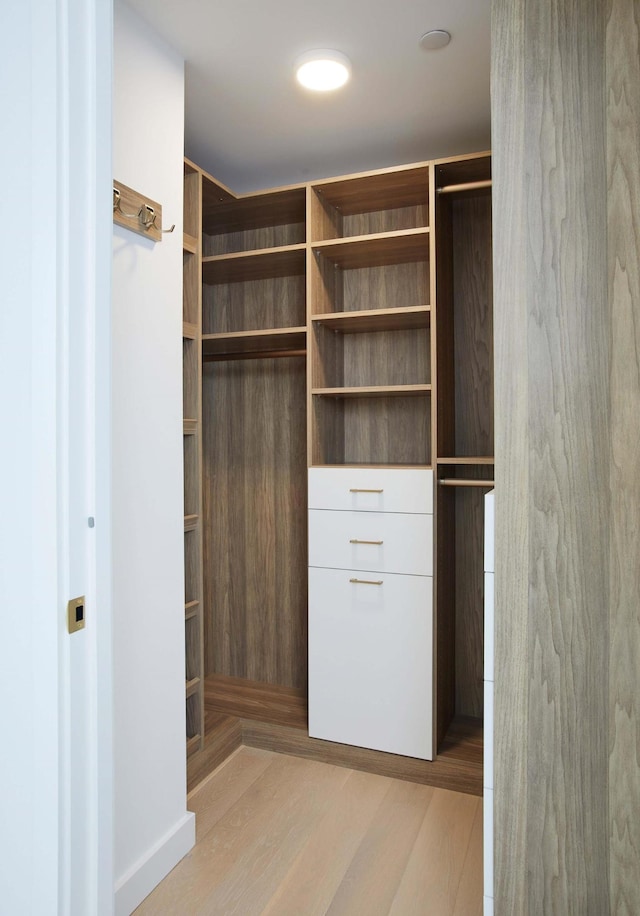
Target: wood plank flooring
x: 239, y: 711
x: 286, y: 836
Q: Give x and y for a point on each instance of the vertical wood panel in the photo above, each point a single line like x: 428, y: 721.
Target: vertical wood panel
x: 469, y: 601
x: 255, y: 520
x: 552, y: 448
x: 473, y: 324
x: 623, y: 172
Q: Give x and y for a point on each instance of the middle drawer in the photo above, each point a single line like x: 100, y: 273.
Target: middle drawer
x: 375, y: 541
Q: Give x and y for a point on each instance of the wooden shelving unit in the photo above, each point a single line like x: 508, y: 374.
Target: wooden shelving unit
x: 192, y: 440
x: 464, y: 447
x: 342, y: 324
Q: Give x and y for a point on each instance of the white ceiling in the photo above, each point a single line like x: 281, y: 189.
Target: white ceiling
x: 251, y: 126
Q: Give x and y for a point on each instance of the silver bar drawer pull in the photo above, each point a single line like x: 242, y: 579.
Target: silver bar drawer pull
x: 367, y: 581
x: 356, y: 490
x: 356, y: 541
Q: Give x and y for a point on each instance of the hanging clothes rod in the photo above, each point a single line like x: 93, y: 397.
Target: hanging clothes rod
x: 250, y: 354
x: 469, y: 186
x: 466, y: 482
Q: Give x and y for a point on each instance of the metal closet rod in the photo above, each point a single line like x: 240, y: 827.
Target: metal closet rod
x: 468, y: 186
x: 466, y: 482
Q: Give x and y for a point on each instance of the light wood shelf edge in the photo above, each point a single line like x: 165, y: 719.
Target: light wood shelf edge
x: 192, y: 686
x: 371, y: 237
x: 406, y: 318
x: 253, y: 253
x: 373, y: 391
x: 191, y: 609
x: 189, y: 243
x: 471, y: 460
x: 193, y: 745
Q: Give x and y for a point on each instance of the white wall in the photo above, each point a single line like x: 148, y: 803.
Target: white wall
x: 31, y: 631
x: 152, y: 828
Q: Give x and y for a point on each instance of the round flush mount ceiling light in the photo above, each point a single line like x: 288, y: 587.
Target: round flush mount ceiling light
x: 323, y: 70
x: 435, y: 39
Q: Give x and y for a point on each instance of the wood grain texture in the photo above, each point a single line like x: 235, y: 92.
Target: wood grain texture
x: 458, y: 767
x: 388, y: 189
x: 261, y: 711
x: 190, y: 287
x: 246, y: 699
x: 280, y: 209
x: 190, y: 378
x: 276, y: 835
x: 623, y: 232
x: 386, y: 431
x: 223, y: 736
x: 378, y: 250
x: 464, y: 391
x: 263, y: 264
x: 509, y: 119
x: 552, y: 458
x: 469, y: 601
x: 417, y: 316
x: 254, y: 305
x: 473, y: 324
x: 435, y: 867
x: 255, y: 520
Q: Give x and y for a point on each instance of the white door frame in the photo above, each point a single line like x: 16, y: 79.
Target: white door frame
x: 55, y: 689
x: 84, y: 450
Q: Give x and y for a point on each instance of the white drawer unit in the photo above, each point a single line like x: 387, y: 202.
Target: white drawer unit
x: 384, y: 541
x: 370, y: 660
x: 370, y: 608
x: 372, y: 489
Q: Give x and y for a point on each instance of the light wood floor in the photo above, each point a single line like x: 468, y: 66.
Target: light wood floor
x: 285, y: 836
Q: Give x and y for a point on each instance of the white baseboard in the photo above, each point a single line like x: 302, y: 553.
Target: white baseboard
x: 149, y: 871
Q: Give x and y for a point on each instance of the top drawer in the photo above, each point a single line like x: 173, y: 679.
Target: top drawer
x: 372, y: 489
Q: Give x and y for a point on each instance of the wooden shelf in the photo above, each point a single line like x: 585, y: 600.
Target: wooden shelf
x: 193, y: 745
x: 191, y: 609
x: 264, y: 264
x: 254, y: 344
x: 254, y: 211
x: 189, y: 426
x: 487, y: 459
x: 401, y: 319
x: 190, y: 522
x: 376, y: 250
x: 381, y: 190
x: 189, y: 331
x: 191, y: 687
x: 189, y: 243
x: 374, y: 391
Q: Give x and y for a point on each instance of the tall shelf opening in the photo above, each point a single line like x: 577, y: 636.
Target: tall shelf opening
x: 464, y: 448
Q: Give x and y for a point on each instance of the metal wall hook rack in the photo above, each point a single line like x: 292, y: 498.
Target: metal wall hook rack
x: 139, y: 213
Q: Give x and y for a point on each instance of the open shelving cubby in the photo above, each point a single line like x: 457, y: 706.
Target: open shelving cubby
x: 370, y: 316
x: 464, y: 448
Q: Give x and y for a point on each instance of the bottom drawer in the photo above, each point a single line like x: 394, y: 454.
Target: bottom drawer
x: 370, y: 661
